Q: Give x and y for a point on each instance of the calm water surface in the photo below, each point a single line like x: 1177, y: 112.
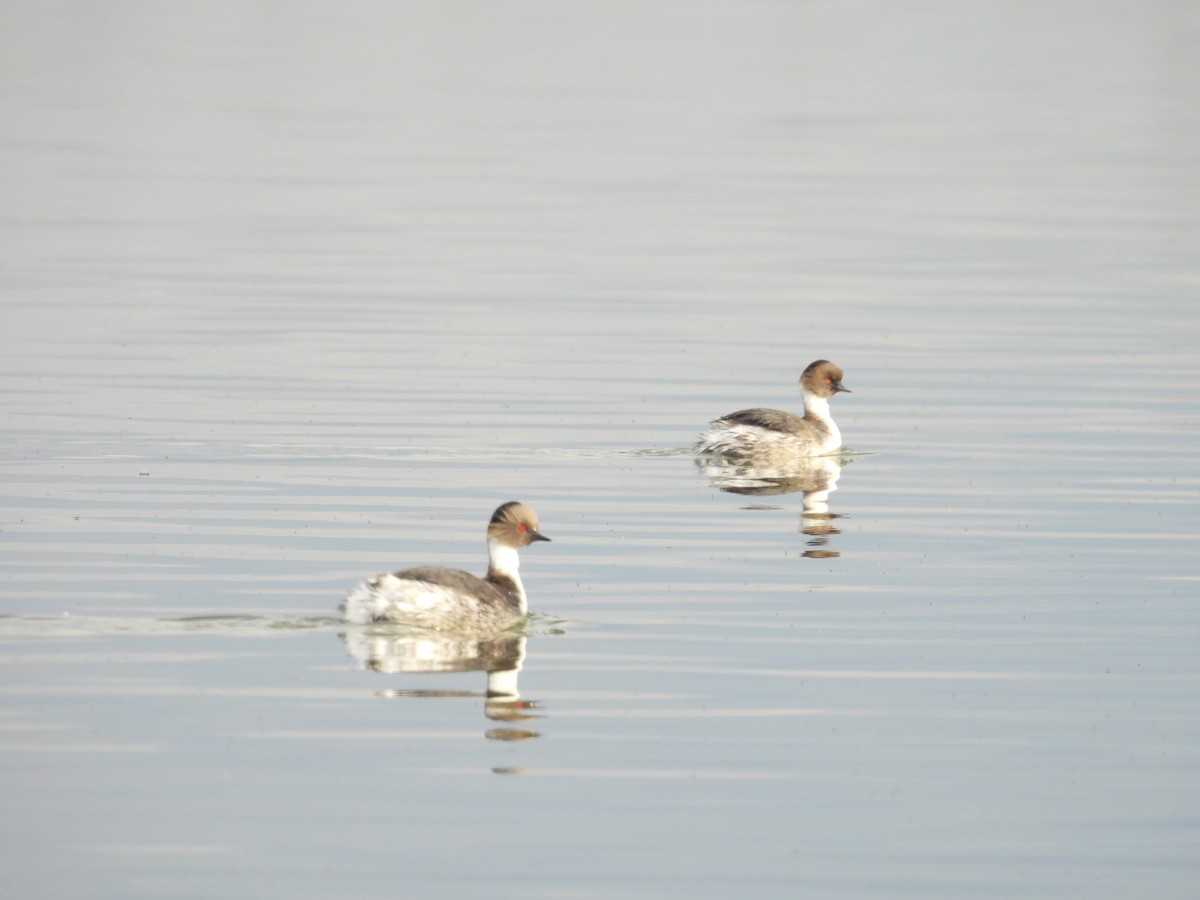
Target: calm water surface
x: 294, y: 294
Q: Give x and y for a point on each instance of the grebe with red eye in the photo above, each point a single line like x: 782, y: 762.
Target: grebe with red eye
x: 450, y: 599
x: 778, y: 435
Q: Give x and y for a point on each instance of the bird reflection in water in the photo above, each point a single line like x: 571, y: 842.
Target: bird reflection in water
x: 394, y: 649
x: 815, y: 476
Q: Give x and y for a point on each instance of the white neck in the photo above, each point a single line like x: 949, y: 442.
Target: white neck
x: 504, y: 560
x: 818, y: 406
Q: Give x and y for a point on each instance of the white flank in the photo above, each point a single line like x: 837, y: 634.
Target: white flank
x: 388, y: 598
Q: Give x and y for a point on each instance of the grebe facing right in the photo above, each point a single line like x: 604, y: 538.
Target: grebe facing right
x: 450, y: 599
x: 773, y: 433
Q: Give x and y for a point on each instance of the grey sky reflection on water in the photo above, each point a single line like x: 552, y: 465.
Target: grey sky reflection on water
x: 288, y: 303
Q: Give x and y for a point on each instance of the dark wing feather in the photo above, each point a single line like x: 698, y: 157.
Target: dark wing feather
x: 453, y: 578
x: 772, y: 419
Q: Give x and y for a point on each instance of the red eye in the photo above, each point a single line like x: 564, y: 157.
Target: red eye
x: 520, y: 528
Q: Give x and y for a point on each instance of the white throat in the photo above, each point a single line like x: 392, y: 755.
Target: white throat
x: 818, y: 406
x: 503, y: 559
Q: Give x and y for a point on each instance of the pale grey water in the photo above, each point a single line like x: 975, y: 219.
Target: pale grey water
x: 293, y: 293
